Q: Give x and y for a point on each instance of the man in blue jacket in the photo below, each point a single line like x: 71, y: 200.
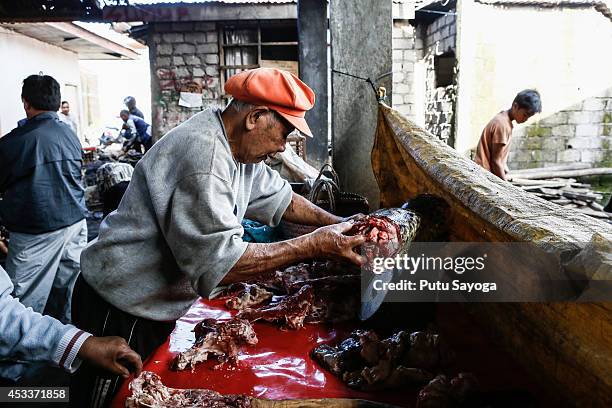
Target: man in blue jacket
x: 43, y: 205
x: 137, y: 130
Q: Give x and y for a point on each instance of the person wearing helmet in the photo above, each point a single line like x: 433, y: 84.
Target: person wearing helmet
x: 130, y: 103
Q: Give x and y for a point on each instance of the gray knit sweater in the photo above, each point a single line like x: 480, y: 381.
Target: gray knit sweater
x: 177, y: 230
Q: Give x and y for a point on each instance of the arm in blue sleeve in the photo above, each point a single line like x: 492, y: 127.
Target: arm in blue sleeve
x: 28, y: 335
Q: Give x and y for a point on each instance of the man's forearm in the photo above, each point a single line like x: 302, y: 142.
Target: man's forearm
x: 497, y: 168
x: 259, y: 258
x: 302, y: 211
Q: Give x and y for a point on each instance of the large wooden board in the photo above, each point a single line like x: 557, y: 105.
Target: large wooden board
x: 568, y: 345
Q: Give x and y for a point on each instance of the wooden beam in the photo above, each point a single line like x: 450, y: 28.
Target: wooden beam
x: 112, y: 47
x: 546, y: 174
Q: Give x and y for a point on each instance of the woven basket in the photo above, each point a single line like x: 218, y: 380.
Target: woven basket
x: 326, y: 194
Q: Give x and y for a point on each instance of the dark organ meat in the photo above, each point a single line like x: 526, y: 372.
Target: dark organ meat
x: 441, y: 393
x: 336, y: 298
x: 336, y: 288
x: 244, y: 295
x: 366, y: 362
x: 221, y: 340
x: 148, y: 391
x: 279, y: 282
x: 290, y: 311
x: 376, y: 229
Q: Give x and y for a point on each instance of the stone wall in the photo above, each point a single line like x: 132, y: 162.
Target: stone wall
x: 183, y: 56
x: 441, y: 34
x: 404, y: 58
x: 439, y: 39
x: 580, y: 133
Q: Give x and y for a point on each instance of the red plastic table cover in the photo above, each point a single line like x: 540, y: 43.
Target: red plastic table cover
x: 278, y: 367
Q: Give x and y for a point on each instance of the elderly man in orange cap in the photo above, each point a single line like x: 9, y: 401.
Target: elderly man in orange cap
x: 177, y: 232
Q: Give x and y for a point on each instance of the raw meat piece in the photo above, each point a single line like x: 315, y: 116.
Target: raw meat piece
x: 216, y: 339
x: 427, y: 351
x: 290, y: 311
x: 148, y: 391
x: 441, y: 393
x: 385, y: 375
x: 436, y: 394
x: 336, y: 293
x: 388, y: 232
x: 244, y: 295
x: 376, y: 229
x: 278, y: 282
x: 366, y: 362
x: 336, y: 298
x: 463, y: 385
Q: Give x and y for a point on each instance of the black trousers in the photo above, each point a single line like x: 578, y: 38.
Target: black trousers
x: 91, y: 386
x: 112, y: 197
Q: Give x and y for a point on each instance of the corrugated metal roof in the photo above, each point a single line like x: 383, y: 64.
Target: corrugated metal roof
x: 546, y: 3
x: 158, y: 2
x: 179, y: 2
x: 603, y: 6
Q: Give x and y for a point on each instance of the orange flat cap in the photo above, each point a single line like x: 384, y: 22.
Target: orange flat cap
x: 278, y: 90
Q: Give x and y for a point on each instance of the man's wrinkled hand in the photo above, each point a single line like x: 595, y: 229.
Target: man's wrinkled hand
x: 330, y: 241
x: 111, y: 354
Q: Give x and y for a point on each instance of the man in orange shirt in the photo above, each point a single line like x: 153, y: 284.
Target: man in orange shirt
x: 494, y: 145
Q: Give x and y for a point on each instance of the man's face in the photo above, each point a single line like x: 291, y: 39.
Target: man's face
x: 267, y: 137
x: 521, y: 114
x: 65, y: 108
x: 124, y: 117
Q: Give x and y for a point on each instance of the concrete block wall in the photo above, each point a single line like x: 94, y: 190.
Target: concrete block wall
x: 404, y: 59
x: 573, y: 81
x: 580, y: 133
x: 182, y: 56
x: 441, y: 34
x: 439, y: 37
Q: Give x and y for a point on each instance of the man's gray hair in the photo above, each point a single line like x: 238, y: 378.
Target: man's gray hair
x: 240, y: 106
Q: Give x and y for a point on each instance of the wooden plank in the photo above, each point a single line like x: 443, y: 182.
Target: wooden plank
x: 561, y: 167
x: 546, y: 183
x: 252, y: 66
x: 561, y: 201
x: 71, y: 29
x: 274, y: 43
x: 564, y: 173
x: 581, y: 196
x: 566, y: 345
x: 318, y: 403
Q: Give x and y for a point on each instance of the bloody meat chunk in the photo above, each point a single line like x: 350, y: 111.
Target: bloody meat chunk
x: 216, y: 339
x: 441, y: 393
x: 290, y: 311
x: 148, y: 391
x: 244, y: 295
x: 376, y: 229
x: 336, y: 298
x: 366, y: 362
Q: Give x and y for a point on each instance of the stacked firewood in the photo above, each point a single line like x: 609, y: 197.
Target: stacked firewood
x: 560, y: 185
